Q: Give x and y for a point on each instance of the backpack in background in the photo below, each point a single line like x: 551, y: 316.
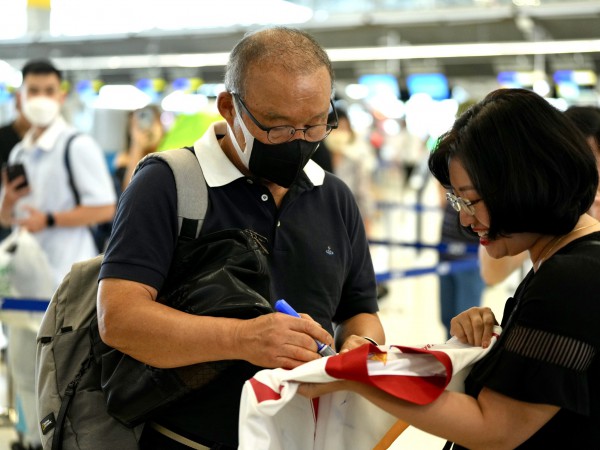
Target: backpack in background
x: 71, y: 405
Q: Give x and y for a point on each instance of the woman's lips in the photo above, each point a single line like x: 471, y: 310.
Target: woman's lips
x: 483, y: 237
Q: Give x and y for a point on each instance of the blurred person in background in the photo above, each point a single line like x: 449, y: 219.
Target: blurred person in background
x: 144, y: 135
x: 323, y: 158
x: 10, y: 135
x: 353, y: 160
x: 412, y: 151
x: 44, y: 203
x: 461, y: 288
x: 587, y: 120
x: 408, y: 152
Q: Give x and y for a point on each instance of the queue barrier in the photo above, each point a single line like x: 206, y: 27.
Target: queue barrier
x: 36, y: 306
x: 23, y: 312
x: 417, y: 207
x: 443, y: 268
x: 451, y: 248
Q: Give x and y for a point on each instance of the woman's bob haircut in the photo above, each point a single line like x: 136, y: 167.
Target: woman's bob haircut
x: 529, y: 163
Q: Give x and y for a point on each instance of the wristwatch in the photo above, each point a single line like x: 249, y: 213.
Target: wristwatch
x: 50, y: 220
x: 372, y: 341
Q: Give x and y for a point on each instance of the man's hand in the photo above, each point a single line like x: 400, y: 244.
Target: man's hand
x: 474, y: 326
x: 279, y: 340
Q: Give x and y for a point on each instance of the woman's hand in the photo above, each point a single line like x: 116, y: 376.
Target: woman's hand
x: 474, y: 326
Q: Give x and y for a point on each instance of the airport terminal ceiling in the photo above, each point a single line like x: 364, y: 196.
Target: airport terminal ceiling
x: 123, y: 56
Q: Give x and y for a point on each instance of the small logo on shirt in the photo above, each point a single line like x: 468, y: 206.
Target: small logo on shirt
x: 329, y: 251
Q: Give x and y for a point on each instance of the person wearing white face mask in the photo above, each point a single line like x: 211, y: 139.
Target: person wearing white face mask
x: 353, y: 161
x: 47, y: 206
x: 57, y: 209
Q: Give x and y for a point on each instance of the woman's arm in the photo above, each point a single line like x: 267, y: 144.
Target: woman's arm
x: 492, y: 421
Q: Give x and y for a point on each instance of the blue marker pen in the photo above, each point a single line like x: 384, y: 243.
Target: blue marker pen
x: 283, y: 307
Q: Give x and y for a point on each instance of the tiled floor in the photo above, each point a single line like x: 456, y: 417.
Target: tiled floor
x: 410, y: 311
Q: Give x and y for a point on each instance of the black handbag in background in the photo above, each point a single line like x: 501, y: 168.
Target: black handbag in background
x: 221, y: 274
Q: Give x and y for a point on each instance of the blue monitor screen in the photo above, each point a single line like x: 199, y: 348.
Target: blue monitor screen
x: 434, y: 84
x: 380, y: 84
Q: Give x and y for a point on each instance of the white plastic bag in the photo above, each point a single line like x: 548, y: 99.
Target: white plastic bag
x: 24, y: 273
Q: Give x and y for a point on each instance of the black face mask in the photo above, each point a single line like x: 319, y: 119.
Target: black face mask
x: 280, y: 163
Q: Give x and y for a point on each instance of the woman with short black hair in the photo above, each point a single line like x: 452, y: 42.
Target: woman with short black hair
x: 522, y: 177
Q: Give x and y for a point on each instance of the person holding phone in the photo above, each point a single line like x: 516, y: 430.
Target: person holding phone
x: 144, y: 135
x: 10, y: 135
x: 37, y: 195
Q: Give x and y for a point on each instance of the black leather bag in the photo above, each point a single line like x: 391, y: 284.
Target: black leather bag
x: 222, y: 274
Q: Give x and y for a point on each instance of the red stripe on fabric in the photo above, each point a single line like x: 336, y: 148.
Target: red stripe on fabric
x: 440, y: 356
x: 263, y: 392
x: 351, y: 365
x: 422, y: 390
x: 418, y: 390
x: 315, y: 402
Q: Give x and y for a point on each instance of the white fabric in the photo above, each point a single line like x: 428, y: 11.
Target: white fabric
x: 219, y: 170
x: 24, y: 273
x: 50, y: 191
x: 273, y: 417
x: 24, y: 267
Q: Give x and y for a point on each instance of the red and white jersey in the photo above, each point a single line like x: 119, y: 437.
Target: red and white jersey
x: 273, y: 417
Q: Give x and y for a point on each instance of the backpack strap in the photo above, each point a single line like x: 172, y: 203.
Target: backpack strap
x: 192, y: 193
x: 65, y: 404
x: 69, y: 170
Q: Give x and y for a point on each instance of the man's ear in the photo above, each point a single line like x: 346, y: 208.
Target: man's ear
x: 18, y: 101
x: 226, y: 107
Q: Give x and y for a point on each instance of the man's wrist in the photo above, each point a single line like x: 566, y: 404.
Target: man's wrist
x: 50, y: 220
x: 4, y: 222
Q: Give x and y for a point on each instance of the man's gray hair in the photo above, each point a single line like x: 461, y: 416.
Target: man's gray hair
x: 294, y: 50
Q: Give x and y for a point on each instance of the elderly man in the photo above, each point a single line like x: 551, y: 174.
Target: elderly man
x: 259, y: 175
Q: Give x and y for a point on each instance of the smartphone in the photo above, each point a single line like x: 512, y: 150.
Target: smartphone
x: 15, y: 170
x: 145, y: 118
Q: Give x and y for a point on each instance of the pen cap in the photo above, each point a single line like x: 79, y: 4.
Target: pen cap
x: 283, y: 307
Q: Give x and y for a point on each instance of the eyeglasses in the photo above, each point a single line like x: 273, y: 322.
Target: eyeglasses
x: 459, y: 203
x: 285, y: 133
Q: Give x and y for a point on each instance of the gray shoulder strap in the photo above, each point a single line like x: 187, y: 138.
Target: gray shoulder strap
x: 192, y: 193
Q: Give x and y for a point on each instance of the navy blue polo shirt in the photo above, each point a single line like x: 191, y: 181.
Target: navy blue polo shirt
x: 319, y: 258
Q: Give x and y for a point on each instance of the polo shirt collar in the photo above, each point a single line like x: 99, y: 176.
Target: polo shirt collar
x: 48, y: 138
x: 219, y: 170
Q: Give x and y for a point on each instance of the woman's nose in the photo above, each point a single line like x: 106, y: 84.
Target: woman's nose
x: 465, y: 218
